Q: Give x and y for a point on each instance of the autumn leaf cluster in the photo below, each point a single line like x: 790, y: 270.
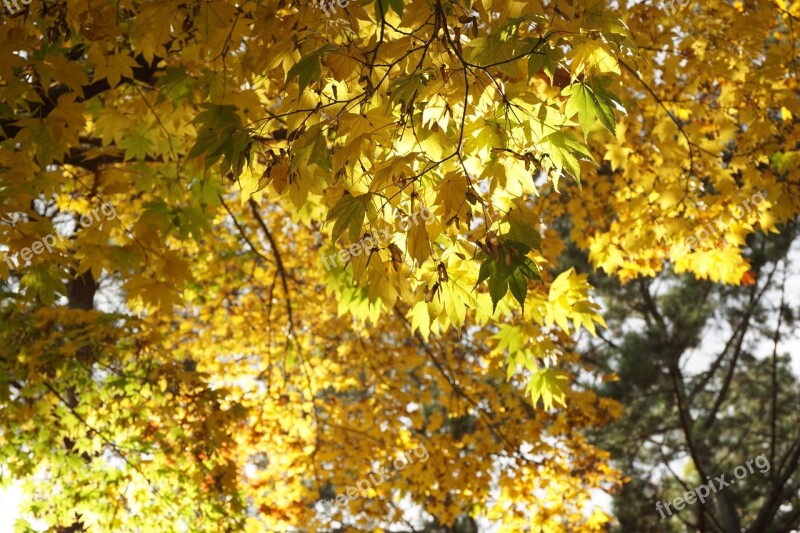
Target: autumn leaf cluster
x: 193, y: 362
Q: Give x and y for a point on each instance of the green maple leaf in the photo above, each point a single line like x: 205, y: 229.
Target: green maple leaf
x: 349, y: 212
x: 137, y: 144
x: 547, y: 385
x: 503, y: 273
x: 590, y: 103
x: 309, y: 68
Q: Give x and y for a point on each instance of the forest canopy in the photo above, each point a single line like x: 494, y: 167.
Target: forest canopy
x: 254, y: 253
